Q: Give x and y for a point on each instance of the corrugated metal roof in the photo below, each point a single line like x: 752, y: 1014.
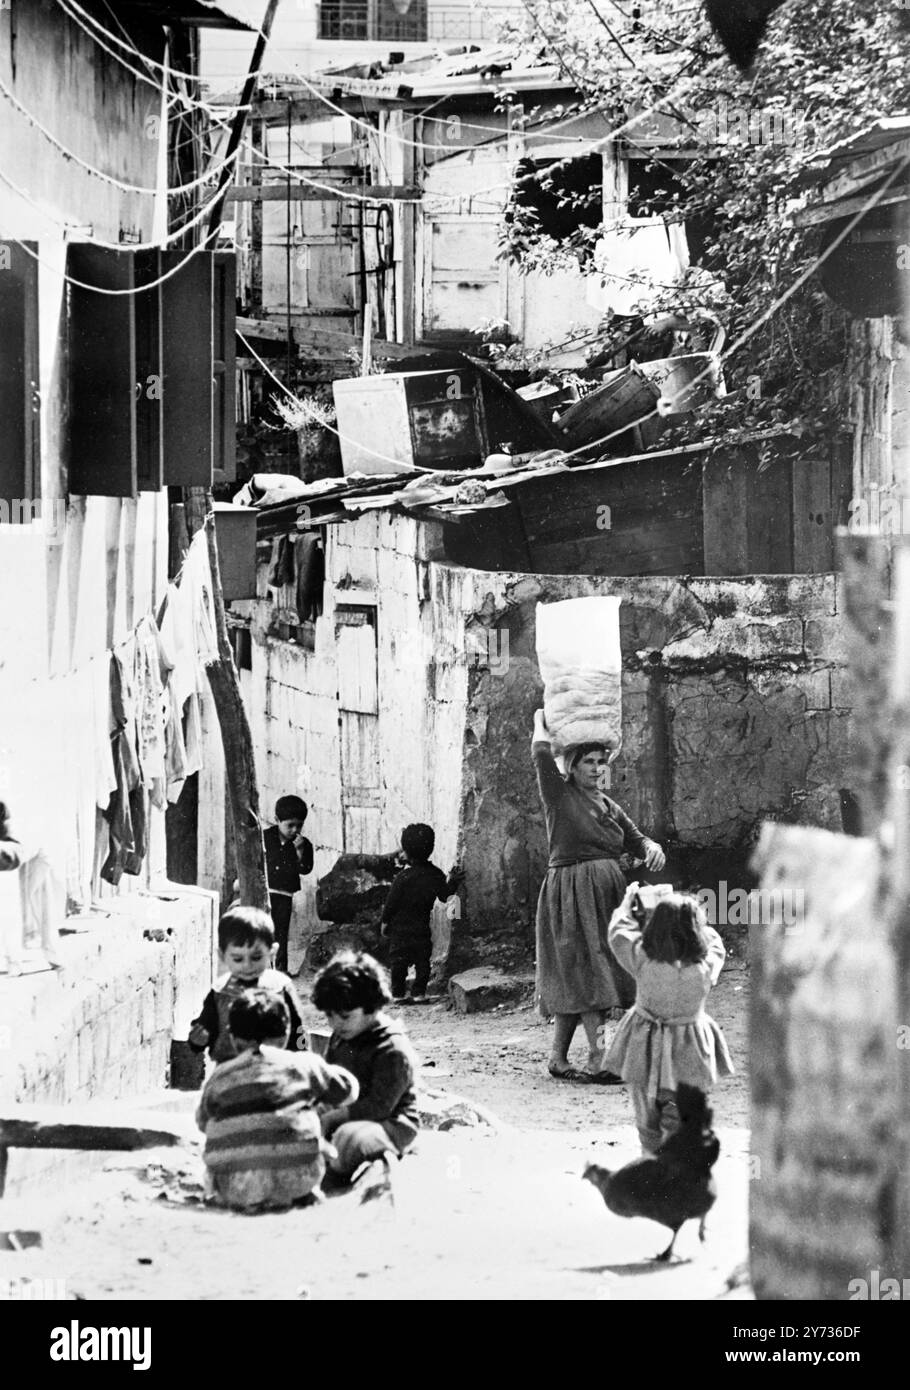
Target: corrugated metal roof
x: 884, y: 131
x: 466, y: 71
x: 225, y: 14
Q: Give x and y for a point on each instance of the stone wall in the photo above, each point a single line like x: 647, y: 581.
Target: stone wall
x: 735, y: 711
x: 101, y: 1027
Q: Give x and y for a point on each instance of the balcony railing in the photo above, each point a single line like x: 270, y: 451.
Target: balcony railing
x: 424, y: 21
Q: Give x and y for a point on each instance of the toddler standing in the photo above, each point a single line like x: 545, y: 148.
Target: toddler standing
x: 406, y: 915
x: 666, y: 1037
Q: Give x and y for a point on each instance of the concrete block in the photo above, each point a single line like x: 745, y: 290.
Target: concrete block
x: 475, y: 991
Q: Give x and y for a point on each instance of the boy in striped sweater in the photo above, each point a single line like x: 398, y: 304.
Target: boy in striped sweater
x: 264, y: 1149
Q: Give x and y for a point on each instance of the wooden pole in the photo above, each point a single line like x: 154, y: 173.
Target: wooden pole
x: 236, y: 735
x: 249, y: 88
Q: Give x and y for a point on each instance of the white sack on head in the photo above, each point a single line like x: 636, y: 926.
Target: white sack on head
x: 578, y: 654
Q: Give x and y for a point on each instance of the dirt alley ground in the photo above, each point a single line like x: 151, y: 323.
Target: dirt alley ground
x: 475, y: 1212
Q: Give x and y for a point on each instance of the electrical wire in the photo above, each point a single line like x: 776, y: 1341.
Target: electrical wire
x: 112, y: 245
x: 99, y: 173
x: 82, y: 285
x: 345, y: 439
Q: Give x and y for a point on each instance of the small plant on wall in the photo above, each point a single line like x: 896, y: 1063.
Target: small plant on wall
x: 312, y: 417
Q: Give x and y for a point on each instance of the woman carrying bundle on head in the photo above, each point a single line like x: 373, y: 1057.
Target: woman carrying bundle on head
x: 578, y: 977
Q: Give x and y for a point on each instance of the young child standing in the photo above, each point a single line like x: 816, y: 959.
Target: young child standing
x: 288, y: 856
x: 406, y: 915
x: 666, y: 1037
x: 245, y: 940
x: 351, y: 992
x: 264, y: 1148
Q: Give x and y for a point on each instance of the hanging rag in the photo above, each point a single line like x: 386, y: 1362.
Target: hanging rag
x: 150, y: 711
x: 310, y: 562
x: 126, y: 813
x: 282, y: 571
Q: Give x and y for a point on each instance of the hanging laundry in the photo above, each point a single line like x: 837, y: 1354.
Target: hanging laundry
x: 282, y: 570
x: 150, y: 711
x: 174, y: 745
x: 310, y: 563
x: 126, y: 813
x: 43, y: 904
x: 105, y: 777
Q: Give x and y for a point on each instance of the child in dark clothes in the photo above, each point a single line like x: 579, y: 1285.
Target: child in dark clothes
x: 351, y: 992
x: 245, y: 940
x: 406, y: 915
x: 288, y: 855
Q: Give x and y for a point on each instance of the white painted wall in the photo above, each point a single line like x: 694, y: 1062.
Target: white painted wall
x: 70, y: 592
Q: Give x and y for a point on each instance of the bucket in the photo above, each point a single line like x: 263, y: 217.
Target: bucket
x: 688, y: 381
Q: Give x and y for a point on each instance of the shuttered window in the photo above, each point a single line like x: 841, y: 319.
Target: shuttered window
x: 224, y: 364
x: 152, y: 373
x: 20, y: 451
x: 102, y: 372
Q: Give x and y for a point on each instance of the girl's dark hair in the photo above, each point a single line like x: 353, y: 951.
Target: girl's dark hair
x: 351, y: 980
x: 257, y: 1015
x: 417, y: 841
x: 244, y: 926
x: 676, y: 931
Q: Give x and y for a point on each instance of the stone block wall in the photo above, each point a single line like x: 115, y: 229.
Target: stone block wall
x: 732, y: 714
x: 734, y: 711
x: 101, y: 1027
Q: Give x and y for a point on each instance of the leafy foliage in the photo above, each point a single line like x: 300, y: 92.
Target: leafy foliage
x: 825, y: 70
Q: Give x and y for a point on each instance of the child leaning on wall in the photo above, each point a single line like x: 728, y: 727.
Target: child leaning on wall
x: 264, y: 1149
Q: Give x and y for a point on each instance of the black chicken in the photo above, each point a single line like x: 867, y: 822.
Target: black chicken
x: 673, y: 1185
x: 740, y: 25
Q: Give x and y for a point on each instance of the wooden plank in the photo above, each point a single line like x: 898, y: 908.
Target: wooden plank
x: 88, y: 1127
x: 186, y: 328
x: 20, y: 456
x: 726, y: 542
x: 845, y: 207
x: 867, y: 167
x: 102, y: 358
x: 813, y: 519
x: 305, y: 192
x: 357, y: 677
x: 224, y: 364
x: 149, y: 373
x: 769, y: 515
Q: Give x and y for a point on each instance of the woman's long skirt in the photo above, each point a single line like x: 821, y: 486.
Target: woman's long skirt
x: 576, y: 970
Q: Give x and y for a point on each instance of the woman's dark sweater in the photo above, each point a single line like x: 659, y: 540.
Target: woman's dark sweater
x: 576, y: 829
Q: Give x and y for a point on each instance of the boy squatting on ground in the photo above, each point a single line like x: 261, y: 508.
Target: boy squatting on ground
x: 288, y: 855
x: 264, y: 1148
x: 245, y: 940
x: 406, y: 915
x: 351, y: 992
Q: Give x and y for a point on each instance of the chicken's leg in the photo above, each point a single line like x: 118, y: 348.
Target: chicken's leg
x: 665, y: 1255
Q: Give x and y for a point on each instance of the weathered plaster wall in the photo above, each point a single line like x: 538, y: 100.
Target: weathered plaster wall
x: 409, y: 751
x: 735, y: 710
x: 92, y: 566
x: 101, y: 1027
